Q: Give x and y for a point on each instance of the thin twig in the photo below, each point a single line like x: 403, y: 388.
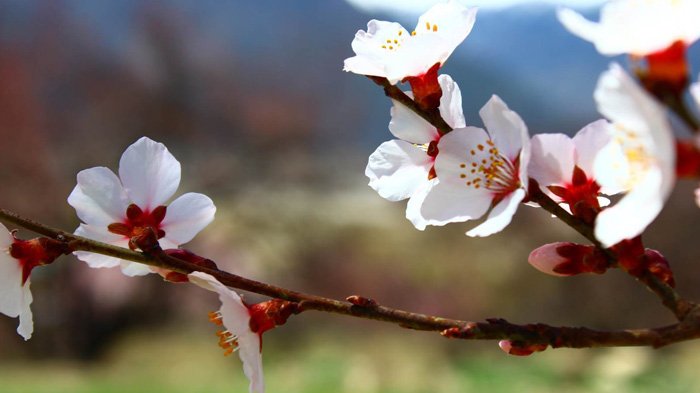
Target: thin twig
x: 493, y: 329
x: 432, y: 117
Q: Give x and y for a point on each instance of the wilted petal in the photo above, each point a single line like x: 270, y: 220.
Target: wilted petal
x: 236, y: 319
x: 186, y: 216
x: 397, y: 169
x: 99, y: 198
x: 149, y: 173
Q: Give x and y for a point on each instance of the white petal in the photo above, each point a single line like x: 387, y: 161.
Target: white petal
x: 633, y: 213
x: 500, y: 216
x: 451, y: 102
x: 134, y: 269
x: 446, y: 204
x: 589, y: 142
x: 397, y: 168
x: 408, y: 126
x: 552, y: 160
x: 505, y: 127
x: 236, y: 319
x: 413, y: 207
x: 640, y: 122
x: 100, y: 234
x: 612, y: 170
x: 454, y: 23
x: 578, y: 25
x: 26, y: 319
x: 249, y: 352
x: 15, y: 298
x: 149, y: 173
x: 372, y: 51
x: 237, y: 314
x: 99, y: 198
x: 635, y: 27
x: 186, y: 216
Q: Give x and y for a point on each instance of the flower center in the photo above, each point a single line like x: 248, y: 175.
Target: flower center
x: 487, y: 168
x: 227, y: 340
x: 393, y: 43
x: 137, y: 221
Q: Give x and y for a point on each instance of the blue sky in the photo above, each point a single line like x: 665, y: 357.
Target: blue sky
x: 419, y: 6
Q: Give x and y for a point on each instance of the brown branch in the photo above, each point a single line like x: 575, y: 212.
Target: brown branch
x: 432, y: 117
x: 492, y: 329
x: 669, y: 297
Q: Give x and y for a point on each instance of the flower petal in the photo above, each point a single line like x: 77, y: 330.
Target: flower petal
x: 186, y: 216
x: 236, y: 319
x: 637, y: 28
x: 633, y: 213
x: 413, y: 207
x: 100, y: 234
x: 505, y: 127
x: 408, y: 126
x: 645, y: 137
x: 589, y: 142
x: 99, y: 198
x: 15, y: 298
x: 451, y: 102
x: 450, y: 21
x: 397, y: 169
x: 552, y: 161
x: 500, y: 216
x: 372, y: 51
x: 149, y: 173
x: 446, y: 204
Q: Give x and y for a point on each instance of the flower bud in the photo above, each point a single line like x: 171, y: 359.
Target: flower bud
x: 520, y: 349
x: 568, y: 259
x: 658, y: 266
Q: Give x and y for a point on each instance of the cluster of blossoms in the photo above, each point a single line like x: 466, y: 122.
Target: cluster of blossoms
x: 448, y: 175
x: 467, y: 172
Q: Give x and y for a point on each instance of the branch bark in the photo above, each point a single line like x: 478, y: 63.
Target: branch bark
x: 492, y: 329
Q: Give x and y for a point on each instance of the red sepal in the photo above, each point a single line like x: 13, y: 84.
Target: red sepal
x: 426, y: 89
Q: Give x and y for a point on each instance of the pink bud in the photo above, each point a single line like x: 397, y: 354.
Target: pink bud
x: 568, y: 259
x: 519, y: 348
x: 546, y: 259
x: 505, y: 345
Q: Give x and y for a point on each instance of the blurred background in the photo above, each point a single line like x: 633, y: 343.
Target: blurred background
x: 251, y: 98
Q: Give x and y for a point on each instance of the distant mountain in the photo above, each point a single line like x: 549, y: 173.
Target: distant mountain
x: 296, y: 49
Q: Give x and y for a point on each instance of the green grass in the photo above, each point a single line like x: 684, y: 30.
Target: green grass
x: 381, y: 363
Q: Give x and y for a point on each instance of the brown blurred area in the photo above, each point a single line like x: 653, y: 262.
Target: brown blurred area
x: 253, y: 102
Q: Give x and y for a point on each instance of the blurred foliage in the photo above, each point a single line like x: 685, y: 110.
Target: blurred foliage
x: 279, y: 138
